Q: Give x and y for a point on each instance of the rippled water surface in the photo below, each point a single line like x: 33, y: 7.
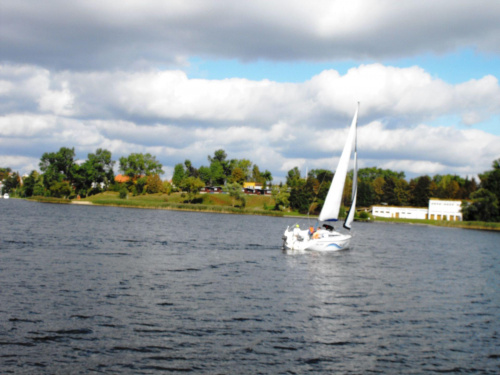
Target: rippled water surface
x: 127, y: 291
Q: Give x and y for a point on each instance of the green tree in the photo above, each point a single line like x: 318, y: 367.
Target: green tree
x: 490, y: 180
x: 237, y: 176
x: 123, y: 193
x: 81, y: 179
x: 470, y: 186
x: 140, y: 185
x: 95, y: 174
x: 293, y: 178
x: 4, y: 173
x: 61, y: 189
x: 366, y: 194
x: 190, y: 170
x: 154, y: 184
x: 421, y: 193
x: 11, y: 183
x: 244, y: 165
x: 256, y: 175
x: 448, y: 186
x: 484, y: 206
x: 137, y: 165
x: 58, y: 166
x: 30, y: 182
x: 402, y: 192
x: 217, y: 173
x: 179, y: 175
x: 205, y: 175
x: 167, y: 187
x: 220, y: 167
x: 370, y: 174
x: 219, y: 155
x: 378, y: 188
x: 389, y: 195
x: 302, y: 195
x: 192, y: 186
x: 267, y: 178
x: 281, y: 197
x: 39, y: 189
x: 99, y: 168
x: 236, y: 193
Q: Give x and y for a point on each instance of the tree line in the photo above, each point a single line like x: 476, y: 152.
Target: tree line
x: 383, y: 186
x: 61, y: 175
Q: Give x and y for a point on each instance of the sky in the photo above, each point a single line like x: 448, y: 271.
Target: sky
x: 275, y: 82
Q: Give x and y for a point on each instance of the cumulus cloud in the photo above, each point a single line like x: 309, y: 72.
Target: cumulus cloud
x: 89, y: 34
x: 403, y: 96
x: 403, y: 118
x: 427, y: 149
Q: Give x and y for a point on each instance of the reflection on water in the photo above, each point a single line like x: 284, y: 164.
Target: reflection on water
x: 112, y: 290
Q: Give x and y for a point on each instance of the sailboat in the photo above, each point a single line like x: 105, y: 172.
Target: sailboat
x: 326, y: 238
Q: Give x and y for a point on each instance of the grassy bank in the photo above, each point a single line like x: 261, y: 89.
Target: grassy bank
x: 220, y: 203
x: 49, y: 200
x: 444, y: 223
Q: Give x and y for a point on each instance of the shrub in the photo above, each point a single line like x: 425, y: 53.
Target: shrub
x: 123, y: 193
x: 364, y: 215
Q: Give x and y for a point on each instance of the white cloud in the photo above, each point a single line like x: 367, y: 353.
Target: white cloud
x: 57, y: 102
x: 404, y: 95
x: 83, y: 34
x: 277, y: 125
x: 428, y: 150
x: 27, y: 126
x: 21, y: 164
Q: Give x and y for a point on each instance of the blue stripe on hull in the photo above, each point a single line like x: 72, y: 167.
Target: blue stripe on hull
x: 335, y: 245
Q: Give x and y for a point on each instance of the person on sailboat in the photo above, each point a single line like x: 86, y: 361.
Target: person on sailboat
x: 316, y: 234
x: 296, y: 230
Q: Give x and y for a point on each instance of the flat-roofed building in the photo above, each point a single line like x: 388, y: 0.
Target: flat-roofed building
x: 439, y: 209
x: 400, y: 212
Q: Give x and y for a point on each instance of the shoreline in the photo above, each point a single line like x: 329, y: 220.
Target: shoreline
x: 491, y: 227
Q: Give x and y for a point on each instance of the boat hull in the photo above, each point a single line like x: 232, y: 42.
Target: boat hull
x: 328, y: 241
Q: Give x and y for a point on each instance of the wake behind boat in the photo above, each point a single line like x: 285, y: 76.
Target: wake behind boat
x: 325, y: 237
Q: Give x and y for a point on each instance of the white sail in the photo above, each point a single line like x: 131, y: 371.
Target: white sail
x: 331, y: 208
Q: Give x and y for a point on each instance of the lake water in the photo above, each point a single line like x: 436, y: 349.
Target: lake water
x: 126, y: 291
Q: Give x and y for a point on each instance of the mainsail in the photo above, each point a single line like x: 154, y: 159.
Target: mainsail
x: 331, y: 208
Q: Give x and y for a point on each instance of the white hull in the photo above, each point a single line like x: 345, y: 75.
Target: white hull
x: 329, y: 240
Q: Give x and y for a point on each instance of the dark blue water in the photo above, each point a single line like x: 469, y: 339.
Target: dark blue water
x: 124, y: 291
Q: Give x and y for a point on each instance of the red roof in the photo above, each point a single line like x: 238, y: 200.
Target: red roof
x: 121, y: 178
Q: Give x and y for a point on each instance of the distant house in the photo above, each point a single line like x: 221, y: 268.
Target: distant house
x: 249, y: 188
x: 255, y: 188
x: 211, y: 189
x: 251, y: 191
x: 122, y: 178
x: 252, y: 185
x: 438, y: 209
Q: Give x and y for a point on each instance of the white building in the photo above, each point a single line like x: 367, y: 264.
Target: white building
x: 438, y: 210
x: 445, y: 210
x: 400, y: 212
